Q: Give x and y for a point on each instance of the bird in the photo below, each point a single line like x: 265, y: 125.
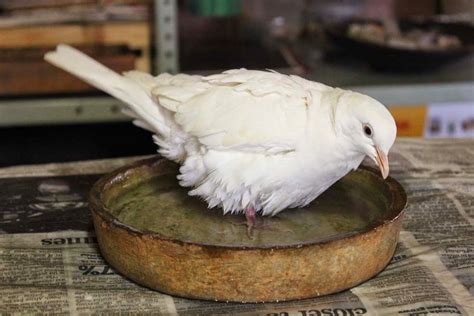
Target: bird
x: 255, y: 142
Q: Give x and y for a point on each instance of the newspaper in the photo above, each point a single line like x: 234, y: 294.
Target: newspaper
x: 50, y: 261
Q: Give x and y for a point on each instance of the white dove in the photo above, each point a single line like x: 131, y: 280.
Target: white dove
x: 248, y: 141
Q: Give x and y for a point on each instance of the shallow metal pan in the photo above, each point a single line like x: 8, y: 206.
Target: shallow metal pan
x: 152, y: 232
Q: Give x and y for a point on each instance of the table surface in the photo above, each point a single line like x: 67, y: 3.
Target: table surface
x: 50, y: 261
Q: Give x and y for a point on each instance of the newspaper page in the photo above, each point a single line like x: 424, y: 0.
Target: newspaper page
x: 50, y: 261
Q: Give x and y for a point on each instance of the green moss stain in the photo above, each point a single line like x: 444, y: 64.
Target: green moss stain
x: 158, y: 204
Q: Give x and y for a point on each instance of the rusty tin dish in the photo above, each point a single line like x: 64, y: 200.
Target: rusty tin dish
x: 152, y: 232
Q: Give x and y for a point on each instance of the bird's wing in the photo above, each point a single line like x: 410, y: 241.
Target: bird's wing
x: 239, y: 110
x: 265, y: 82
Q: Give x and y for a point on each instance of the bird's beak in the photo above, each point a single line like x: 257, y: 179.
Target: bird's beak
x: 382, y: 161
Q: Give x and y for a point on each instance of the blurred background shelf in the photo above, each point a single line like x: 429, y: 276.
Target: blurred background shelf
x: 60, y: 110
x: 40, y: 102
x: 77, y: 110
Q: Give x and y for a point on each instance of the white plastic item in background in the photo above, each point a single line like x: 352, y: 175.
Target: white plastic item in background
x: 450, y: 120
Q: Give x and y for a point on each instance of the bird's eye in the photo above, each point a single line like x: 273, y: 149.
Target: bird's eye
x: 368, y: 130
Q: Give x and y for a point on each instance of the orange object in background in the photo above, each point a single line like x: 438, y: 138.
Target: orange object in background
x: 410, y: 119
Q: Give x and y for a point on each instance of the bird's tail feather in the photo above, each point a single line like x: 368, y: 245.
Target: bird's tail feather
x: 141, y: 106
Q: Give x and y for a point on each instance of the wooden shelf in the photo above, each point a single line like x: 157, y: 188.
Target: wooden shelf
x: 111, y: 33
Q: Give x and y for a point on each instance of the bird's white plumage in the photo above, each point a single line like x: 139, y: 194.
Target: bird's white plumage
x: 244, y: 138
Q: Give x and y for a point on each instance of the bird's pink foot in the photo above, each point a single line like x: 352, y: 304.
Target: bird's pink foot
x: 252, y: 222
x: 251, y: 218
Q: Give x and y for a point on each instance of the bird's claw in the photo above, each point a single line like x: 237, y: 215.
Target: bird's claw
x: 257, y: 225
x: 251, y: 227
x: 253, y: 223
x: 251, y: 218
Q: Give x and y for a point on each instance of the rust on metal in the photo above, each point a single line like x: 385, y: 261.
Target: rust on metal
x: 152, y: 232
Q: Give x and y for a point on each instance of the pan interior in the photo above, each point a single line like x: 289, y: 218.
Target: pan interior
x: 157, y: 204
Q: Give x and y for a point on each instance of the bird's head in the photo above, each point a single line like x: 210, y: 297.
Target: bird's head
x: 370, y: 126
